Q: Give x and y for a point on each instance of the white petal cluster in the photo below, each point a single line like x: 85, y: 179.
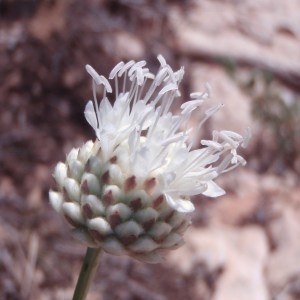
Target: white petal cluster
x: 129, y: 191
x: 150, y: 141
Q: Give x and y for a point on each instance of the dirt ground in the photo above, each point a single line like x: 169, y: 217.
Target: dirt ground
x: 242, y: 246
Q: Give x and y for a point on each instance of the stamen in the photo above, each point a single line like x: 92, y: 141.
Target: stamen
x: 117, y: 87
x: 161, y: 75
x: 172, y: 139
x: 126, y: 67
x: 246, y: 138
x: 228, y: 139
x: 161, y: 60
x: 116, y: 69
x: 93, y: 73
x: 179, y: 74
x: 211, y: 111
x: 137, y: 65
x: 215, y: 145
x: 189, y: 106
x: 224, y: 164
x: 106, y: 84
x: 208, y: 114
x: 140, y: 76
x: 196, y: 95
x: 233, y: 135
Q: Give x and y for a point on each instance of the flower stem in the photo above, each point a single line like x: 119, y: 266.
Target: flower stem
x: 88, y: 269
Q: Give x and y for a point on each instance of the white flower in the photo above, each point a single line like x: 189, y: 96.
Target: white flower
x: 129, y: 191
x: 150, y: 142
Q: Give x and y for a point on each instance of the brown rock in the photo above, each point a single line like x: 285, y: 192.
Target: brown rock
x: 241, y: 253
x: 242, y: 198
x: 243, y: 278
x: 284, y: 263
x: 264, y: 33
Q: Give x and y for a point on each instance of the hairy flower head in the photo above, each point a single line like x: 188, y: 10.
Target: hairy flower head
x: 129, y: 192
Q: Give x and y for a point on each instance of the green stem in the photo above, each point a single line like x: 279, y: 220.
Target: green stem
x: 88, y: 269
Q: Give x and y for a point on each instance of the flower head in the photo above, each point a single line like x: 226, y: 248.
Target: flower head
x: 129, y: 191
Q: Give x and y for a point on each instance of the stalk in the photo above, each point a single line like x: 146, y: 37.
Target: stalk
x: 87, y: 272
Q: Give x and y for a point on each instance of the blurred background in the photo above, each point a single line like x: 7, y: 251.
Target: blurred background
x: 242, y: 246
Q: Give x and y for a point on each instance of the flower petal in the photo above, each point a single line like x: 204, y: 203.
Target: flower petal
x: 90, y: 115
x: 184, y: 206
x: 213, y: 190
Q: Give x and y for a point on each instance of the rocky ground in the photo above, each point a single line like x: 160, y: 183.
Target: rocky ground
x: 244, y: 245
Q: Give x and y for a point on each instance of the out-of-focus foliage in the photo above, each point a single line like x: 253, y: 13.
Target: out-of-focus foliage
x: 278, y: 110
